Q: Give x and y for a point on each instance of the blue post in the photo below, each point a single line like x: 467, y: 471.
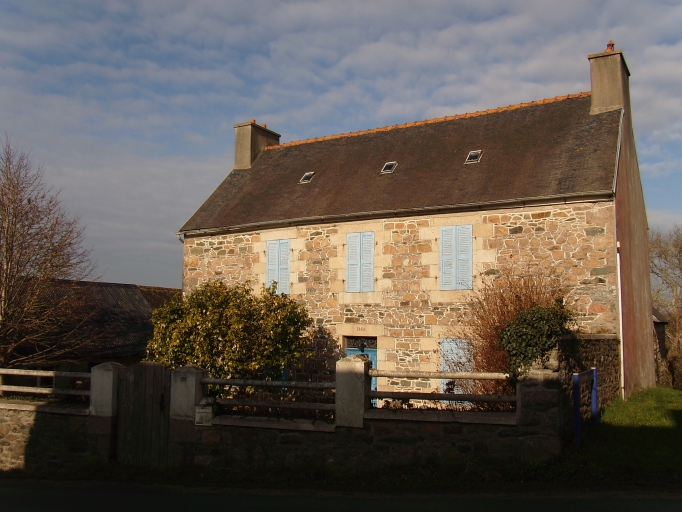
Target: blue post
x: 589, y: 376
x: 576, y: 410
x: 595, y: 401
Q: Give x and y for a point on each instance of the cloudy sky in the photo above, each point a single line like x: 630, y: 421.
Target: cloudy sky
x: 130, y: 105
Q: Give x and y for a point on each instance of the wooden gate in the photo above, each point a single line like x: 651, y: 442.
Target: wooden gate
x: 143, y: 415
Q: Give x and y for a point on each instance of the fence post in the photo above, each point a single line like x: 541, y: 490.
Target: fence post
x: 352, y: 386
x: 589, y: 376
x: 186, y: 391
x: 576, y: 411
x: 103, y: 407
x: 595, y: 397
x: 104, y: 389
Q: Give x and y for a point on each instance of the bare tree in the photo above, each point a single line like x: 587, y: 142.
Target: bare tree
x: 665, y: 254
x: 42, y: 260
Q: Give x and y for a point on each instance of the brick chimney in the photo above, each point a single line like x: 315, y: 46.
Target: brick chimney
x: 250, y: 140
x: 610, y: 79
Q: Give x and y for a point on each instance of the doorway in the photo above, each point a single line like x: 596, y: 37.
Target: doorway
x: 363, y: 345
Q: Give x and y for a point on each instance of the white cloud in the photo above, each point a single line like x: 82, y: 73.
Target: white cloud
x: 661, y: 169
x: 664, y: 220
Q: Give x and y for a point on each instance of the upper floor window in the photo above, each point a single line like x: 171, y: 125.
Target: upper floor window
x: 277, y: 266
x: 456, y: 257
x: 360, y: 262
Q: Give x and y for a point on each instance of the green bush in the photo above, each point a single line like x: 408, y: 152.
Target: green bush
x: 532, y: 334
x: 230, y: 331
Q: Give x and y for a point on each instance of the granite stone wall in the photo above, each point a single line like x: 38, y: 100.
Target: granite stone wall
x: 41, y: 441
x: 407, y: 312
x: 399, y: 438
x: 46, y: 442
x: 378, y: 444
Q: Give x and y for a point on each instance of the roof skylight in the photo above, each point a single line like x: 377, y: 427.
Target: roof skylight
x: 474, y: 157
x: 307, y: 177
x: 389, y: 167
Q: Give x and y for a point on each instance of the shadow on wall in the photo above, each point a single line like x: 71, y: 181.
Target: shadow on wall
x: 319, y: 362
x: 45, y: 442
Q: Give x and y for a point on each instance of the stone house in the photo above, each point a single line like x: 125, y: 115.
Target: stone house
x: 384, y: 233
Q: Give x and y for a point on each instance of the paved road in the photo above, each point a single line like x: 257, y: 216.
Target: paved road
x: 49, y: 496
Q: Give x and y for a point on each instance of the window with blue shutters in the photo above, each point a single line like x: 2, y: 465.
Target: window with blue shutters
x: 455, y: 356
x: 456, y: 257
x: 360, y: 262
x: 277, y: 264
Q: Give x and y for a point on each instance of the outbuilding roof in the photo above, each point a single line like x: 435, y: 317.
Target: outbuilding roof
x: 121, y: 321
x: 547, y: 149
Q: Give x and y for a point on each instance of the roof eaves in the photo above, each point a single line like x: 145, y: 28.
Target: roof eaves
x: 598, y: 195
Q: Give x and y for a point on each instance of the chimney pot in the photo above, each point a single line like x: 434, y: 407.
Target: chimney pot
x: 264, y: 125
x: 252, y: 121
x: 610, y: 46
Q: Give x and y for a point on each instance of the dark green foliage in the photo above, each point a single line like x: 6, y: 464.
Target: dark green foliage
x: 230, y: 331
x: 532, y: 334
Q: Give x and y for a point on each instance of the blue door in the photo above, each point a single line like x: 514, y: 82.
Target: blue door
x: 371, y: 353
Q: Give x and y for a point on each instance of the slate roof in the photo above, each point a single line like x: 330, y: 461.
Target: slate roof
x: 121, y: 325
x: 546, y: 149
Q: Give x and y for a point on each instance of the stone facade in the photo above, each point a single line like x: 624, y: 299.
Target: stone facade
x: 407, y: 312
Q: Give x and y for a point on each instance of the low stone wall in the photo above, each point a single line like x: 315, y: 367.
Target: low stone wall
x: 58, y: 438
x: 41, y: 441
x: 379, y: 444
x: 385, y: 438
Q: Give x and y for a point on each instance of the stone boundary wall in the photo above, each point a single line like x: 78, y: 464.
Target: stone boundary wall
x: 47, y: 442
x: 61, y: 437
x: 379, y: 444
x: 359, y: 439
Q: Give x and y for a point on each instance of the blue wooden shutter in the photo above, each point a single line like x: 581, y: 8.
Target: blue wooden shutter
x: 447, y: 258
x: 284, y: 254
x: 272, y: 263
x: 464, y: 258
x: 353, y: 262
x: 367, y: 262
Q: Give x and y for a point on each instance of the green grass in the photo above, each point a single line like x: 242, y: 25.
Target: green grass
x: 655, y: 407
x: 638, y: 443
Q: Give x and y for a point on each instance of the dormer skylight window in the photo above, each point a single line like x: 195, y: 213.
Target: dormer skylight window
x: 307, y: 177
x: 474, y: 157
x: 389, y: 167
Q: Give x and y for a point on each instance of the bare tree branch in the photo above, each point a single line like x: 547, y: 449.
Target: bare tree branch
x: 665, y: 255
x: 42, y: 260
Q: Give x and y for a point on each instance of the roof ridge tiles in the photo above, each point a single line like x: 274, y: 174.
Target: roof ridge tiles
x: 434, y: 120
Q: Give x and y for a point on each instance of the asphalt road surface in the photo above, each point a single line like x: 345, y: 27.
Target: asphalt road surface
x: 18, y: 495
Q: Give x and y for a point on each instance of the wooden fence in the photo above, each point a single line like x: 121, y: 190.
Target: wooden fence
x: 275, y: 404
x: 43, y: 390
x: 449, y: 397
